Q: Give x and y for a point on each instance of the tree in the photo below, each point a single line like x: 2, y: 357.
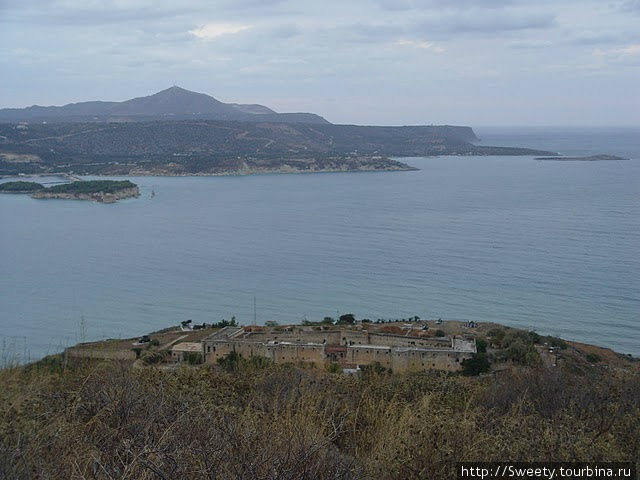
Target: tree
x: 328, y: 320
x: 271, y: 323
x: 496, y: 335
x: 193, y: 358
x: 477, y: 364
x: 347, y: 319
x: 230, y: 362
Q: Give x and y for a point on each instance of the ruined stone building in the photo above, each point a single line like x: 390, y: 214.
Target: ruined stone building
x: 349, y: 348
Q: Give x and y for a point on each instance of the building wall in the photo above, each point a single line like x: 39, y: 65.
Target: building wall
x: 398, y: 353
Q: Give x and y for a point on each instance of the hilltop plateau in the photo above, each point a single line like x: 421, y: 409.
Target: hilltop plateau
x: 247, y: 418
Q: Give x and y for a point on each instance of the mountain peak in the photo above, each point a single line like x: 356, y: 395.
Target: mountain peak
x: 174, y: 90
x: 171, y: 103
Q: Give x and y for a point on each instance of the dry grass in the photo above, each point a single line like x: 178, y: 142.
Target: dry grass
x: 104, y: 420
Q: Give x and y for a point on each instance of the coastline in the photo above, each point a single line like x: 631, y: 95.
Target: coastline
x: 99, y: 197
x: 238, y: 173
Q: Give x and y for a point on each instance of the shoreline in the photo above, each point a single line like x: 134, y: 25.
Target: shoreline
x: 234, y: 173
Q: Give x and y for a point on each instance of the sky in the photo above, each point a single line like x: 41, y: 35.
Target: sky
x: 376, y: 62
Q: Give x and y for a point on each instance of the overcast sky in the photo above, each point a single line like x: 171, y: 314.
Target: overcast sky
x: 471, y: 62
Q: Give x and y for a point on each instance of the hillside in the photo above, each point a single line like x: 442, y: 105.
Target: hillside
x: 214, y: 147
x: 174, y: 103
x: 251, y: 419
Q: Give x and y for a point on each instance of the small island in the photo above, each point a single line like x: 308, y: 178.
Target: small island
x: 20, y: 187
x: 103, y: 191
x: 591, y: 158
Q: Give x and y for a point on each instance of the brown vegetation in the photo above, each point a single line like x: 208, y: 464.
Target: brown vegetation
x: 106, y: 420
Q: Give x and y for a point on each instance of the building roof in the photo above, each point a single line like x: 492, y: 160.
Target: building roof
x: 187, y: 347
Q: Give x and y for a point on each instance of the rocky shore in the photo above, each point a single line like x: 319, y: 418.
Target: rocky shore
x: 101, y: 197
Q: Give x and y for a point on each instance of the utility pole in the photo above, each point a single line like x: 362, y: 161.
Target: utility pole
x: 255, y: 315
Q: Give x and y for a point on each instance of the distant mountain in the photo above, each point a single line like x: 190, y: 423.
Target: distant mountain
x: 174, y: 103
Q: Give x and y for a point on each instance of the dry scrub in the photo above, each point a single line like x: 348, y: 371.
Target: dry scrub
x: 95, y: 420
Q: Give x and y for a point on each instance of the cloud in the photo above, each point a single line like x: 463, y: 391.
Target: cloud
x: 628, y: 50
x: 474, y: 23
x: 419, y: 44
x: 213, y: 30
x: 632, y: 6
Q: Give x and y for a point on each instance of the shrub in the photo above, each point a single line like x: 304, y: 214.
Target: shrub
x: 193, y: 358
x: 519, y: 348
x: 496, y: 335
x: 556, y: 342
x: 334, y: 368
x: 230, y: 362
x: 593, y: 358
x: 477, y: 364
x: 535, y: 338
x: 347, y: 319
x: 375, y: 367
x: 440, y: 333
x: 481, y: 345
x: 153, y: 357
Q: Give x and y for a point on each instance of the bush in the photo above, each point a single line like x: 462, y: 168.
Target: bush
x: 477, y: 364
x: 153, y: 357
x: 496, y: 335
x: 535, y: 338
x: 440, y: 333
x: 375, y: 367
x: 556, y: 342
x: 347, y: 319
x: 481, y: 345
x: 334, y: 368
x: 230, y: 362
x: 593, y: 358
x: 193, y: 358
x: 519, y: 348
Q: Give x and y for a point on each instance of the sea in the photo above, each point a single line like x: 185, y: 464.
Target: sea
x: 541, y: 245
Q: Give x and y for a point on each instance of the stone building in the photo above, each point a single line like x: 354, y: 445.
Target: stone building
x: 350, y: 348
x: 180, y: 351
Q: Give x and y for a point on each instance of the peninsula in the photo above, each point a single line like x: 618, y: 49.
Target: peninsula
x: 178, y: 132
x: 591, y: 158
x: 103, y: 191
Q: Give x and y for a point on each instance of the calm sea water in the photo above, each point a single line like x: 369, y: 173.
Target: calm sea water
x: 551, y: 246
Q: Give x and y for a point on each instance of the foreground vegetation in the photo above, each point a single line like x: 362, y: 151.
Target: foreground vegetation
x: 250, y: 419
